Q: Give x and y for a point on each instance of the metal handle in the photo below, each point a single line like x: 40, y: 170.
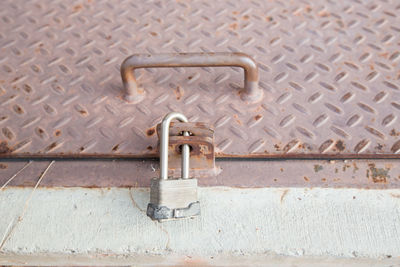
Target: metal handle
x: 164, y: 146
x: 134, y: 94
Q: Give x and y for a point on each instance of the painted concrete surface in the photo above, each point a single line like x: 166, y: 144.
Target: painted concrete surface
x: 235, y: 224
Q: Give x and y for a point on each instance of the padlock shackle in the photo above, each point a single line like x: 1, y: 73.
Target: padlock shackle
x: 164, y: 141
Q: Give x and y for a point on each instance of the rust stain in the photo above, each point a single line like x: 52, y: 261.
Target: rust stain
x: 51, y: 146
x: 108, y: 37
x: 384, y: 55
x: 236, y: 117
x: 306, y: 179
x: 277, y: 147
x: 57, y: 133
x: 115, y: 148
x: 27, y: 88
x: 284, y: 194
x: 149, y: 148
x: 83, y: 112
x: 395, y: 195
x: 204, y: 150
x: 389, y: 166
x: 233, y: 26
x: 3, y: 166
x: 318, y: 168
x: 393, y: 132
x: 340, y: 145
x: 151, y: 131
x: 153, y: 33
x: 18, y: 109
x: 16, y: 79
x: 377, y: 175
x: 379, y: 146
x: 245, y: 17
x: 345, y: 167
x: 355, y: 167
x: 179, y: 91
x: 4, y: 148
x: 76, y: 8
x: 323, y: 14
x: 269, y: 18
x: 257, y: 117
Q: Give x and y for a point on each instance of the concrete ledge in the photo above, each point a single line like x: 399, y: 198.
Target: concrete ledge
x: 179, y: 260
x: 248, y: 224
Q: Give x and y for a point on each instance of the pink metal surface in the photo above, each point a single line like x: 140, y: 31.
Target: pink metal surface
x: 249, y: 174
x: 328, y: 69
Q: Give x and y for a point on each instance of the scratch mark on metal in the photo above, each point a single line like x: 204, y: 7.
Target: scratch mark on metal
x: 15, y: 175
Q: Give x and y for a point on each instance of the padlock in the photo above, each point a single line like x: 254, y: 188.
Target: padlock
x: 173, y: 198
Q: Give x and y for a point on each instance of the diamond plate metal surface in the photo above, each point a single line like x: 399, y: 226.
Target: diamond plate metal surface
x: 329, y: 71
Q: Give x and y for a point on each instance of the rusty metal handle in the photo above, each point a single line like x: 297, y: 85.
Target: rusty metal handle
x: 251, y: 92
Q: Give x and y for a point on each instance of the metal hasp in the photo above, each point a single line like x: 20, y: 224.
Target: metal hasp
x: 251, y: 93
x: 173, y: 198
x: 202, y: 148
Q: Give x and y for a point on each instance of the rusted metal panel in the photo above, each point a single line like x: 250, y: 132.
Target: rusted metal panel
x: 328, y: 69
x: 379, y: 174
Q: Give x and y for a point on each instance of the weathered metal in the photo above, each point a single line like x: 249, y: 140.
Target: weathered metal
x: 201, y: 143
x: 173, y: 199
x: 252, y: 93
x: 329, y: 71
x: 377, y: 174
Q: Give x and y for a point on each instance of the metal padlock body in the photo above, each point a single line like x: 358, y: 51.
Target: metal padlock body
x: 173, y: 199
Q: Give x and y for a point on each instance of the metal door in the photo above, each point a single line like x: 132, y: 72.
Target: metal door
x: 329, y: 73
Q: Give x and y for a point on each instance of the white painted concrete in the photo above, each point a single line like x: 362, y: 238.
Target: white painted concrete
x: 235, y: 224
